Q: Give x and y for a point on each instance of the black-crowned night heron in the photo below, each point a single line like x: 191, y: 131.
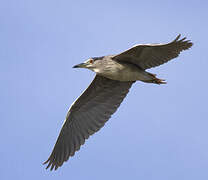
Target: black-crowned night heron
x: 115, y: 74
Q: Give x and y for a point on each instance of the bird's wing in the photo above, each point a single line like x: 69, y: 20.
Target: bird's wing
x: 151, y: 55
x: 86, y: 116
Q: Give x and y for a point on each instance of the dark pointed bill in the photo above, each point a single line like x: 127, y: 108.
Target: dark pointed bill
x: 81, y: 65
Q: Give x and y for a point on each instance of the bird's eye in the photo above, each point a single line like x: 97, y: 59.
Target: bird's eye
x: 91, y: 61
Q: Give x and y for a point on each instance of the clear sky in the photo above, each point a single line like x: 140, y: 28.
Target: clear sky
x: 158, y: 133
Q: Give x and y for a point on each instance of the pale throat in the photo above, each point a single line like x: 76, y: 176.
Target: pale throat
x: 96, y: 70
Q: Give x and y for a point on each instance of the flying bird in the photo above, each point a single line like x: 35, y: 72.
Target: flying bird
x: 115, y: 75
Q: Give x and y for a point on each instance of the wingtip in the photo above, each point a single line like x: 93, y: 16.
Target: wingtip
x: 183, y: 40
x: 177, y: 38
x: 49, y: 164
x: 45, y: 162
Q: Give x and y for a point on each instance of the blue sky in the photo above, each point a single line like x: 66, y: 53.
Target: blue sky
x: 159, y: 132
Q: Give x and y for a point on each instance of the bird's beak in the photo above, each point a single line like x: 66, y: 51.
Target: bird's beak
x: 81, y: 65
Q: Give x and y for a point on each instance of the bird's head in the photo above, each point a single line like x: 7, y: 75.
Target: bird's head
x: 91, y: 63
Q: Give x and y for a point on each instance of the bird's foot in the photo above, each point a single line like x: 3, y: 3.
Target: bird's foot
x: 159, y: 81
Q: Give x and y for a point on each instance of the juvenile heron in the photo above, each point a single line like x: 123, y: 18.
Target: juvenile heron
x: 115, y: 74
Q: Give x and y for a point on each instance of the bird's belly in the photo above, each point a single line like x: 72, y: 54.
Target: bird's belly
x: 126, y: 72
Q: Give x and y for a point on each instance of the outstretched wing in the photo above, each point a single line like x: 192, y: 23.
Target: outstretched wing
x: 151, y: 55
x: 86, y: 116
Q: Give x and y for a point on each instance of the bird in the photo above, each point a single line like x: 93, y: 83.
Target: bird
x: 115, y: 75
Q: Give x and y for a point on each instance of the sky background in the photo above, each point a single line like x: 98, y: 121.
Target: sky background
x: 158, y: 133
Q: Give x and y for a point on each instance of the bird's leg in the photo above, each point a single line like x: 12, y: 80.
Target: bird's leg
x: 159, y: 81
x: 155, y: 80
